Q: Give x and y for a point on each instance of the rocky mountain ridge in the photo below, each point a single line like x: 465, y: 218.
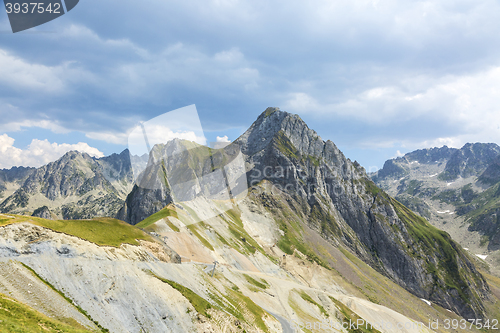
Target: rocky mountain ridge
x: 457, y: 191
x: 73, y: 187
x: 313, y: 181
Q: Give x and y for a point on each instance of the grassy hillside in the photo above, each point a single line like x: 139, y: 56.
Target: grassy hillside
x: 17, y: 317
x: 101, y: 231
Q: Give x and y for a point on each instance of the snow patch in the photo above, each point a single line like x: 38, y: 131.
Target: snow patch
x: 446, y: 211
x: 426, y: 301
x: 465, y: 248
x: 434, y: 175
x: 448, y: 184
x: 482, y: 256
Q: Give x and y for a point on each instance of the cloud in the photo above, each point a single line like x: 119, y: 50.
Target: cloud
x: 373, y: 73
x: 38, y: 153
x: 109, y: 137
x: 398, y: 154
x: 24, y: 124
x: 222, y: 139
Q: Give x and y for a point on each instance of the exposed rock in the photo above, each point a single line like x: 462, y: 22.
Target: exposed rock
x: 73, y: 187
x: 43, y: 212
x: 470, y: 160
x: 492, y: 173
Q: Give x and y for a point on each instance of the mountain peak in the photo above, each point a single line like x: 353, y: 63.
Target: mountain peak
x: 273, y: 122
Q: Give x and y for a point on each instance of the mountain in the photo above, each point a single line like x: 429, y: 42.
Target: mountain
x: 73, y: 187
x: 12, y: 179
x: 315, y: 191
x: 457, y: 191
x: 491, y: 175
x: 309, y: 240
x: 471, y: 160
x: 399, y: 167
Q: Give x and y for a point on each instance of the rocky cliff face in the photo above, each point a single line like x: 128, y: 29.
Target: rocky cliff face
x: 12, y: 179
x: 340, y: 200
x: 75, y: 186
x: 491, y: 175
x: 471, y: 160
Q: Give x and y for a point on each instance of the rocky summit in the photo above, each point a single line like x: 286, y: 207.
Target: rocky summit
x: 309, y: 239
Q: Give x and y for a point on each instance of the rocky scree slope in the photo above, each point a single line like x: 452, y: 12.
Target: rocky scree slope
x: 73, y: 187
x: 337, y: 198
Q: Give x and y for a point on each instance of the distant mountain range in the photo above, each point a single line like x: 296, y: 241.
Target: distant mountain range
x: 458, y: 190
x: 76, y: 186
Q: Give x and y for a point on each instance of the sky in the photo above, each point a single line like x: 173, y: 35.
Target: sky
x: 378, y: 78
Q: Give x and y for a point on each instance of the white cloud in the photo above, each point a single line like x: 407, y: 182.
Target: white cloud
x: 34, y: 78
x: 38, y: 153
x: 222, y: 139
x: 53, y: 126
x: 398, y: 154
x: 109, y: 137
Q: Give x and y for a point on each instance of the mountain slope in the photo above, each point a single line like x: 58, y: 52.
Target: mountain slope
x: 141, y: 288
x: 326, y: 192
x: 339, y: 199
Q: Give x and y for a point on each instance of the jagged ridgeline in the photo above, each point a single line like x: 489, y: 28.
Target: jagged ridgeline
x: 76, y: 186
x: 311, y: 188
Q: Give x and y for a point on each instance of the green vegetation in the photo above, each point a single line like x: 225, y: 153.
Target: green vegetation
x: 414, y: 187
x: 200, y: 304
x: 308, y: 298
x: 102, y: 231
x: 235, y: 227
x: 239, y: 301
x: 69, y: 300
x: 262, y: 284
x: 434, y: 242
x: 293, y: 240
x: 269, y: 111
x: 165, y: 212
x: 316, y: 161
x: 350, y: 316
x: 448, y: 196
x: 239, y: 305
x: 285, y: 146
x: 370, y: 186
x: 193, y: 228
x: 235, y: 216
x: 17, y: 317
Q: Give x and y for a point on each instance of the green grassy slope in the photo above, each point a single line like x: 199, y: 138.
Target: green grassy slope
x: 20, y: 318
x: 101, y: 231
